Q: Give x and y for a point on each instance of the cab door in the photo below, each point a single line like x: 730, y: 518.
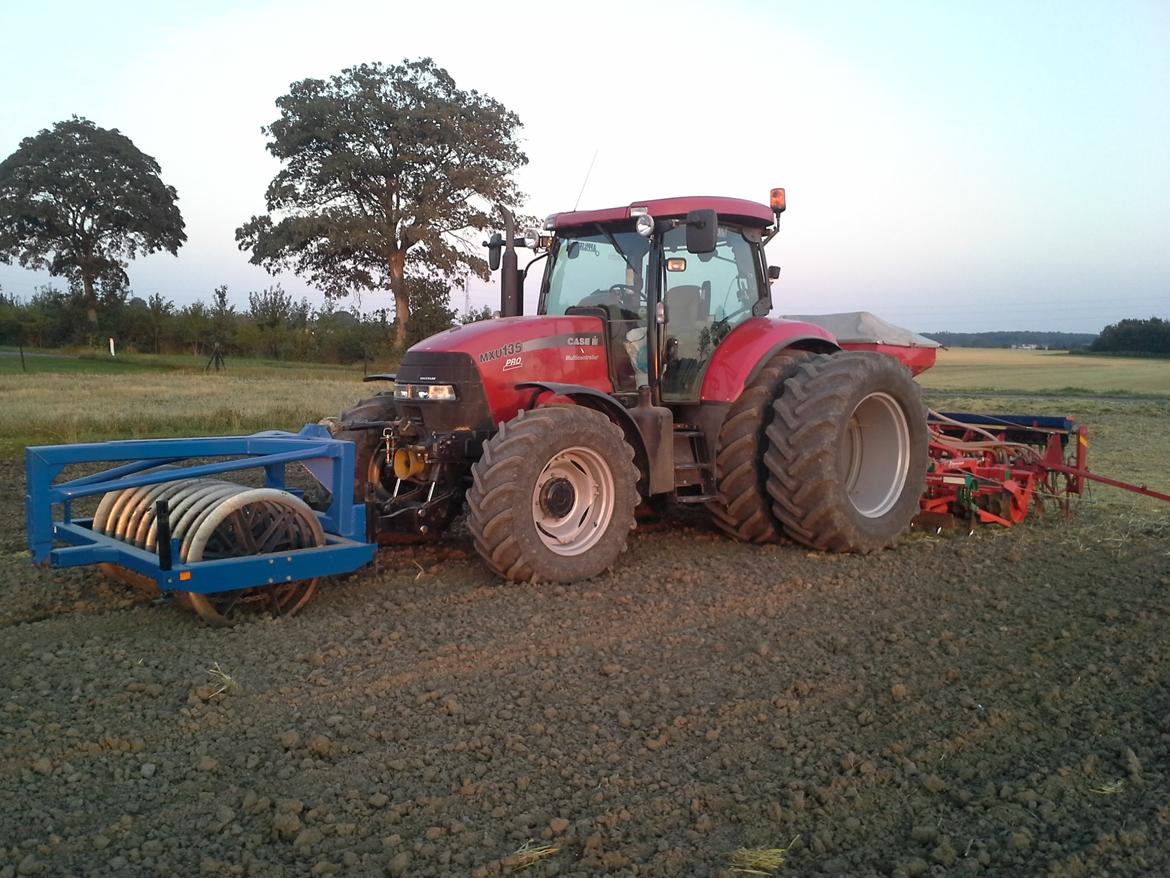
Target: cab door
x: 706, y: 295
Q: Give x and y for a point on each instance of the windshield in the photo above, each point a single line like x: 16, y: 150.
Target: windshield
x: 601, y: 269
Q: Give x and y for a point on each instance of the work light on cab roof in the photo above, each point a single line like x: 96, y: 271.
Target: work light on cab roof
x: 777, y: 200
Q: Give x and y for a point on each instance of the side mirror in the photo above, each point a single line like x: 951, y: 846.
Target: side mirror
x: 773, y: 272
x: 495, y: 244
x: 702, y: 230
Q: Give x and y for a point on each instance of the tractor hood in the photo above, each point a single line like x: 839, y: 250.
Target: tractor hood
x: 563, y: 346
x: 503, y: 353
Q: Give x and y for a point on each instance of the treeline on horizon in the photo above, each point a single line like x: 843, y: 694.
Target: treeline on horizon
x: 1059, y: 341
x: 1130, y: 337
x: 1127, y: 337
x: 276, y: 326
x: 273, y: 325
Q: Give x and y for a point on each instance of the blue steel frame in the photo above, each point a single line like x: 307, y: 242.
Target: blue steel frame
x: 331, y: 461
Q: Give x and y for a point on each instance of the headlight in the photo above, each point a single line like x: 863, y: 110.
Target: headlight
x: 644, y: 225
x: 438, y: 392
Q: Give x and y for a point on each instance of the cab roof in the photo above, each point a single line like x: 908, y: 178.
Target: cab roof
x: 740, y: 209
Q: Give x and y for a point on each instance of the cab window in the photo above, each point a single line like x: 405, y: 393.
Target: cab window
x: 707, y: 295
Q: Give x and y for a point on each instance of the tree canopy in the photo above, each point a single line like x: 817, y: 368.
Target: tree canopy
x: 79, y: 200
x: 1134, y: 336
x: 386, y: 169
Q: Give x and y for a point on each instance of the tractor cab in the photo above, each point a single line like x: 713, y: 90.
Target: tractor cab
x: 670, y: 279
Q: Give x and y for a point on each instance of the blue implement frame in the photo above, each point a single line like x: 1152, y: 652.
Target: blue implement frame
x: 330, y: 461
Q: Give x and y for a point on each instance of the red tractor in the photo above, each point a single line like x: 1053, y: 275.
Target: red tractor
x: 651, y: 369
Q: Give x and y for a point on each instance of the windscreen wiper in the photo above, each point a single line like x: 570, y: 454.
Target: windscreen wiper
x: 618, y: 247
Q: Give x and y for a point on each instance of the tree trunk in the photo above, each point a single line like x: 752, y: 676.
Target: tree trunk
x: 397, y: 262
x: 90, y: 298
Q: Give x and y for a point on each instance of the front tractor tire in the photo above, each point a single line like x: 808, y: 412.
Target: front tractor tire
x: 847, y: 452
x: 553, y: 495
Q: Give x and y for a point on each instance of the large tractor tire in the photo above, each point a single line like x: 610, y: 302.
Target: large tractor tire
x: 847, y: 453
x: 552, y: 498
x: 742, y: 507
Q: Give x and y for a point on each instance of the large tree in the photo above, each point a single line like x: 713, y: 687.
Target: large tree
x: 79, y: 200
x: 386, y: 171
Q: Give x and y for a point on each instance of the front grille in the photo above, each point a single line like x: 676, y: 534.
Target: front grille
x: 469, y: 411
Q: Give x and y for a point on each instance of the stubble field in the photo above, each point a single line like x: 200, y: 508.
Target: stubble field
x: 989, y: 705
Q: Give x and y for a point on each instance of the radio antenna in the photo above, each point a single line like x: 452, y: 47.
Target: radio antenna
x: 586, y: 180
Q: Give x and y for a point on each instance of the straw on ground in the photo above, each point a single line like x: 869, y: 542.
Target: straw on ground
x: 759, y: 861
x: 227, y: 685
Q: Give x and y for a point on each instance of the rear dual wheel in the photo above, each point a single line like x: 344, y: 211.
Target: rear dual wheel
x: 742, y: 508
x: 847, y: 452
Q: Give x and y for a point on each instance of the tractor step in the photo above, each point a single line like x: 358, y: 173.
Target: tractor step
x: 694, y: 475
x: 693, y: 498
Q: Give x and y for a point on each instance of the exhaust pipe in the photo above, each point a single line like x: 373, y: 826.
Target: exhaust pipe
x: 511, y: 288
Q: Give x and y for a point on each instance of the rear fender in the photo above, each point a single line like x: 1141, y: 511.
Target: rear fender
x: 748, y: 348
x: 598, y: 401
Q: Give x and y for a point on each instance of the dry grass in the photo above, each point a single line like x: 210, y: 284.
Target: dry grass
x: 54, y: 408
x: 1046, y: 372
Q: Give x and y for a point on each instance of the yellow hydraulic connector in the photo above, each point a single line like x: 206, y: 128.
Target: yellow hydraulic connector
x: 408, y: 463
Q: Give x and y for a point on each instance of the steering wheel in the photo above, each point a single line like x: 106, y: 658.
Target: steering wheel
x: 628, y: 299
x: 627, y: 293
x: 623, y: 298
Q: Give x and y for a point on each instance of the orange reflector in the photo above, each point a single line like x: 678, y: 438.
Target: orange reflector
x: 184, y: 576
x: 778, y: 204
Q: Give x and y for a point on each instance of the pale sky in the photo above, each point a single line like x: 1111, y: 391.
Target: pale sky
x: 949, y: 166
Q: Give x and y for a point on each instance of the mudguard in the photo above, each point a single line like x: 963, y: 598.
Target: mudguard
x: 749, y: 347
x: 657, y: 472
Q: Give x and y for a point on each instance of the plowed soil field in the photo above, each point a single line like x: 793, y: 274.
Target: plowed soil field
x: 995, y: 704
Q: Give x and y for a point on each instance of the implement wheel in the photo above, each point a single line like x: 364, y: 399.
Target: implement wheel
x: 742, y: 508
x: 847, y: 453
x: 552, y: 498
x: 261, y: 521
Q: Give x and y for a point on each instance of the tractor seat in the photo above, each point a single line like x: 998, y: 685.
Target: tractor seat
x: 688, y: 309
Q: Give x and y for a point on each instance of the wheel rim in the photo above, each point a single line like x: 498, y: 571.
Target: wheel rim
x: 876, y: 455
x: 577, y: 480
